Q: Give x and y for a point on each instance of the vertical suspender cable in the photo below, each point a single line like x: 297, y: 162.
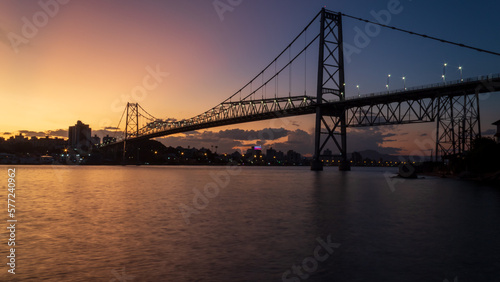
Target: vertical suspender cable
x: 290, y: 72
x: 276, y: 81
x: 263, y: 84
x: 305, y: 63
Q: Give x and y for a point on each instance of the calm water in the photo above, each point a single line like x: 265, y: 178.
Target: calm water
x: 125, y: 224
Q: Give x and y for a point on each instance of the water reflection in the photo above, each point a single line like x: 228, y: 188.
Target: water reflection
x: 100, y: 223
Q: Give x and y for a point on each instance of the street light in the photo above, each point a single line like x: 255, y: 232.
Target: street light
x: 388, y: 79
x: 404, y: 83
x: 444, y: 72
x: 460, y: 69
x: 357, y: 86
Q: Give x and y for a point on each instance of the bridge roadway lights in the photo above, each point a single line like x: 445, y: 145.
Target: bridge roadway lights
x: 317, y: 165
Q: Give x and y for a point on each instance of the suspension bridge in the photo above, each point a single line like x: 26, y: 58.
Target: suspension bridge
x: 273, y: 93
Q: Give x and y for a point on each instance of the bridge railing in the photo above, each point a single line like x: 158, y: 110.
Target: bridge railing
x: 427, y: 86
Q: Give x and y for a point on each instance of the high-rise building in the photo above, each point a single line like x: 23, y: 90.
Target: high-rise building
x: 80, y: 136
x: 270, y: 154
x: 293, y: 157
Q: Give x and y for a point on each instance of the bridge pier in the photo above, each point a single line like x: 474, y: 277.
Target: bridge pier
x: 316, y: 165
x: 345, y: 165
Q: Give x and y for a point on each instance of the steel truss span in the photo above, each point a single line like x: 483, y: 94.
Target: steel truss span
x: 272, y: 93
x: 453, y: 106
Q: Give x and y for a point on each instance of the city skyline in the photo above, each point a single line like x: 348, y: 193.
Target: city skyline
x: 58, y: 76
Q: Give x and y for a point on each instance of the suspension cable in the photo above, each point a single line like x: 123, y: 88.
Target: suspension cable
x: 151, y: 117
x: 425, y: 36
x: 282, y: 52
x: 277, y: 72
x: 118, y: 126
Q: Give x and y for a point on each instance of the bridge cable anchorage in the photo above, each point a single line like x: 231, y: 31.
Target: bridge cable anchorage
x: 425, y: 36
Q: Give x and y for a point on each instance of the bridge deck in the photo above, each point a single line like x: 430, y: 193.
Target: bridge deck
x: 229, y: 113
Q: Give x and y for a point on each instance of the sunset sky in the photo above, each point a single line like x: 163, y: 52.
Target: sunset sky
x: 83, y: 61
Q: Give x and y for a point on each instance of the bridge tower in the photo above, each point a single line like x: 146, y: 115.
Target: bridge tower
x: 131, y: 124
x: 330, y: 123
x: 458, y: 124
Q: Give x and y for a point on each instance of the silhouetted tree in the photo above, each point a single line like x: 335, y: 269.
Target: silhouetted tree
x: 484, y: 156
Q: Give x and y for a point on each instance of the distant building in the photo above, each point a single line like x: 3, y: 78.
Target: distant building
x: 18, y: 138
x: 497, y: 135
x: 280, y: 155
x: 108, y: 139
x: 80, y: 136
x: 356, y: 158
x: 236, y: 156
x: 293, y: 157
x: 257, y: 150
x: 327, y: 156
x: 7, y: 158
x: 96, y: 141
x: 254, y: 153
x: 48, y: 143
x: 270, y: 154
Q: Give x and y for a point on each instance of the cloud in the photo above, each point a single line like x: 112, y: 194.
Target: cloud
x: 226, y: 140
x: 57, y: 133
x: 103, y: 132
x: 29, y: 133
x: 299, y: 141
x: 110, y: 128
x: 262, y: 135
x: 237, y: 134
x: 489, y: 132
x: 229, y: 140
x: 63, y: 133
x: 202, y: 140
x: 280, y: 139
x: 389, y: 135
x: 371, y: 139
